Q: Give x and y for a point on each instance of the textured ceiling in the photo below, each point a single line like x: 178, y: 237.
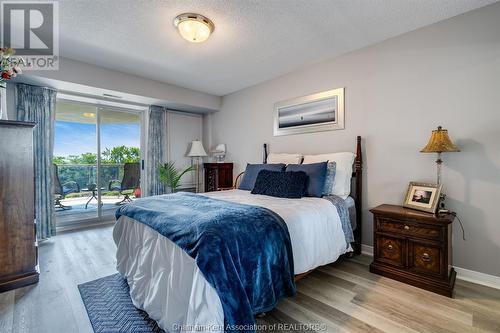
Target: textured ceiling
x: 253, y: 41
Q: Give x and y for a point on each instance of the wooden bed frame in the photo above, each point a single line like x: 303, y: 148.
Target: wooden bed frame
x: 356, y: 194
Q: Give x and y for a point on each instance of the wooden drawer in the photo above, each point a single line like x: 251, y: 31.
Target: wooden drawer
x: 390, y: 250
x: 409, y: 228
x: 425, y: 257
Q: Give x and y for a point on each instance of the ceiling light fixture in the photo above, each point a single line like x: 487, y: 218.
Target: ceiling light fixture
x: 195, y: 28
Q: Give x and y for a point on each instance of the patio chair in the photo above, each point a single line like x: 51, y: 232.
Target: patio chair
x: 61, y: 191
x: 131, y: 181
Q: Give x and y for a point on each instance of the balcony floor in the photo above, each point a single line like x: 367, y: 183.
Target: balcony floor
x: 78, y: 211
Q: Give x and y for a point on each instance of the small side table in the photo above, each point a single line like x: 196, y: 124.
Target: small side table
x: 218, y: 176
x: 413, y: 247
x: 93, y: 188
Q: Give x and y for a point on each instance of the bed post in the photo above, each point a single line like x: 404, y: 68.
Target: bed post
x: 358, y: 172
x: 265, y: 154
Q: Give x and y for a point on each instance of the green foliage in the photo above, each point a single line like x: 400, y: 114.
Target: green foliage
x: 121, y: 154
x: 85, y: 158
x: 60, y: 160
x: 85, y: 173
x: 170, y: 176
x: 115, y: 155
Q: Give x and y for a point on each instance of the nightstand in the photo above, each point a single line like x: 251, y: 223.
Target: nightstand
x: 413, y: 247
x: 218, y: 176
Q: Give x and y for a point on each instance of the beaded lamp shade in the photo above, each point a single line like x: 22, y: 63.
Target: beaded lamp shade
x: 439, y: 142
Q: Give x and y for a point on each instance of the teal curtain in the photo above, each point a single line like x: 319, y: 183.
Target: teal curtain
x: 37, y: 104
x: 155, y: 148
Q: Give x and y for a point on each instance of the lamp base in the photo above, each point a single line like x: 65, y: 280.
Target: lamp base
x: 442, y: 202
x: 219, y: 158
x: 439, y: 161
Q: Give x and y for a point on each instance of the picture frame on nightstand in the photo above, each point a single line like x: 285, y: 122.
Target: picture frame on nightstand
x: 423, y: 196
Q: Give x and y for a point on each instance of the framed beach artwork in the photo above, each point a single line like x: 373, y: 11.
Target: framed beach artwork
x: 322, y: 111
x: 423, y: 196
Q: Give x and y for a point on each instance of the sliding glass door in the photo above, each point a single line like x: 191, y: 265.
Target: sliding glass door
x: 75, y: 162
x: 120, y: 158
x: 97, y: 161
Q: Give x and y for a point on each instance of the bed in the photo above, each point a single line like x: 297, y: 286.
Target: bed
x: 167, y: 282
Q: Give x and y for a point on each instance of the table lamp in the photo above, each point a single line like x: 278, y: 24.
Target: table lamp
x: 195, y: 153
x: 219, y: 152
x: 439, y: 142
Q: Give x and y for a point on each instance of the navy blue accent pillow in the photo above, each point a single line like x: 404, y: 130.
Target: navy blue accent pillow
x: 317, y: 177
x: 252, y: 171
x: 281, y: 184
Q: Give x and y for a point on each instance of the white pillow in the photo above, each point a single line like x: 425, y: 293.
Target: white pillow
x: 342, y: 183
x: 274, y: 158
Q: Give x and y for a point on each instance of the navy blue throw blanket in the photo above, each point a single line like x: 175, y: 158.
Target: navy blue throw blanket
x: 243, y: 251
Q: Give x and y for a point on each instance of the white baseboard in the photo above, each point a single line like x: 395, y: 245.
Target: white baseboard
x: 478, y: 277
x: 367, y: 250
x: 462, y: 273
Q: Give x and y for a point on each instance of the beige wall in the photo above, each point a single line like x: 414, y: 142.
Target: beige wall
x: 396, y: 92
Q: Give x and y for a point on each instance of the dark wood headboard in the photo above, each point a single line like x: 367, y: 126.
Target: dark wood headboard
x: 357, y: 194
x: 356, y: 191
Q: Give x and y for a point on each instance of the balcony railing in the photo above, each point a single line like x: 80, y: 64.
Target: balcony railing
x: 85, y: 175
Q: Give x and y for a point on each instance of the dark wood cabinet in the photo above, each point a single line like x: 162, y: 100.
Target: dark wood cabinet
x: 413, y: 247
x: 18, y: 248
x: 218, y: 176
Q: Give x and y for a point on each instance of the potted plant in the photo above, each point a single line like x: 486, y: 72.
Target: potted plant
x: 171, y: 176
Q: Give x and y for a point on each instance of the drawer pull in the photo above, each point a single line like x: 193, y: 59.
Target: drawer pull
x: 389, y: 247
x: 426, y: 257
x: 407, y: 227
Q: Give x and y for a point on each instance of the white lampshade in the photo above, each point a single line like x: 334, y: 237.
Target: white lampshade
x: 220, y: 148
x: 197, y: 149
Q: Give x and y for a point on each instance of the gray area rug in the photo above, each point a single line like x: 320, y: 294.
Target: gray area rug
x: 110, y: 307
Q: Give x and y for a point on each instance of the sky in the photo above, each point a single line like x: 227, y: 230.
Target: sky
x: 73, y: 138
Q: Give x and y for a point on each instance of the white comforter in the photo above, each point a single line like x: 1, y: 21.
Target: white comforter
x: 166, y: 283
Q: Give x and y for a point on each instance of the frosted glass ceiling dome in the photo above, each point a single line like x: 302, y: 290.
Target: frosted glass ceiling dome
x: 194, y: 28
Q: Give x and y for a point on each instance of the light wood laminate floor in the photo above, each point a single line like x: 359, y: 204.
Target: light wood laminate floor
x: 342, y: 297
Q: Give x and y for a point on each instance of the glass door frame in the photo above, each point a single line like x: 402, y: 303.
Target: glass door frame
x: 99, y: 107
x: 142, y: 115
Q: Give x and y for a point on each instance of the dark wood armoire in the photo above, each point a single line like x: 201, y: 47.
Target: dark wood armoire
x: 218, y: 176
x: 18, y: 247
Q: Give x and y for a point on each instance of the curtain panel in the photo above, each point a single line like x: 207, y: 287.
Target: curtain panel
x: 156, y: 148
x: 37, y: 104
